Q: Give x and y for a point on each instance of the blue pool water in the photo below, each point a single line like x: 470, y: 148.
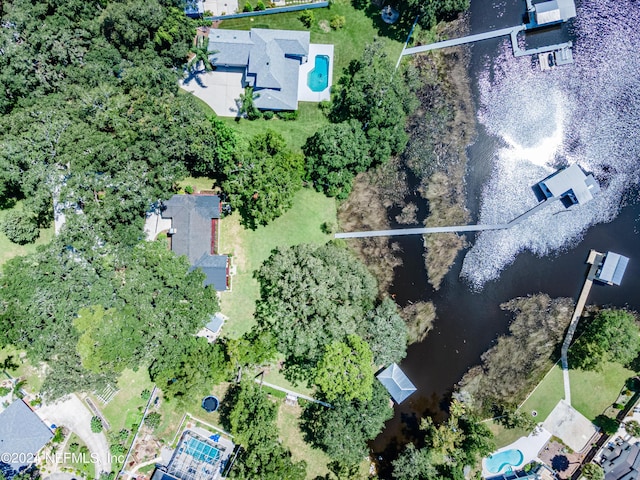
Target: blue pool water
x: 508, y: 458
x: 201, y: 451
x: 318, y: 78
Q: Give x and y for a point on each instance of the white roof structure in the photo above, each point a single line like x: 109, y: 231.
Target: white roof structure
x: 613, y: 268
x: 571, y: 182
x: 396, y: 382
x: 554, y: 11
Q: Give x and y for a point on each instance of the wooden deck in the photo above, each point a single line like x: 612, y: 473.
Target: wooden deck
x: 595, y: 260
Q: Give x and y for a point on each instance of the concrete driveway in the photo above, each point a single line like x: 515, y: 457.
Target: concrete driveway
x: 218, y: 89
x: 73, y: 414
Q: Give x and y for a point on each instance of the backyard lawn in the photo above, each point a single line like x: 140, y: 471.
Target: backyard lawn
x: 291, y: 436
x: 547, y: 395
x: 301, y: 224
x: 295, y: 132
x: 123, y: 410
x: 9, y: 249
x: 593, y: 392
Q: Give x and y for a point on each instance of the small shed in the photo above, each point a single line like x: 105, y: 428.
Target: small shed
x: 396, y: 382
x: 612, y: 269
x: 554, y: 11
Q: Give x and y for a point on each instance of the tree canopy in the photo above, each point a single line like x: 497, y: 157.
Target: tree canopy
x: 311, y: 296
x: 612, y: 336
x: 263, y: 178
x: 251, y: 418
x: 344, y: 430
x: 346, y: 370
x: 460, y: 441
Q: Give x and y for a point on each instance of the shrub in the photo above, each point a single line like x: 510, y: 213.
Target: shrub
x: 74, y: 447
x: 4, y: 391
x: 96, y: 425
x: 260, y: 6
x: 247, y: 7
x: 188, y: 189
x: 117, y: 449
x: 20, y: 227
x: 307, y: 18
x: 268, y: 115
x: 153, y: 420
x: 58, y: 436
x: 337, y: 22
x: 288, y: 115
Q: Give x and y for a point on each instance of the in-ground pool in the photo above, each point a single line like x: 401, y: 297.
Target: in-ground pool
x: 509, y: 458
x: 318, y: 78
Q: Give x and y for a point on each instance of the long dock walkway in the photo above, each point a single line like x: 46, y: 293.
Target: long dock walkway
x: 463, y: 40
x: 453, y: 229
x: 595, y: 259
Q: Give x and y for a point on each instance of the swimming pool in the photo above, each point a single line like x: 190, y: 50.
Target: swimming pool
x: 201, y: 451
x: 509, y: 458
x: 318, y: 78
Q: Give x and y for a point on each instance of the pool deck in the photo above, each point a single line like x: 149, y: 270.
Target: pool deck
x: 529, y: 446
x: 305, y: 94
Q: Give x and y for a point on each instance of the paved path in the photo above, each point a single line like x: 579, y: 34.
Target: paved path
x: 74, y: 415
x: 295, y: 394
x: 594, y: 259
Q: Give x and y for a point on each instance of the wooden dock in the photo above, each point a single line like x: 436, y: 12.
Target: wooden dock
x: 595, y: 260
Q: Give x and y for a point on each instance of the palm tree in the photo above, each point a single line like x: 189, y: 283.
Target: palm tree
x: 201, y: 54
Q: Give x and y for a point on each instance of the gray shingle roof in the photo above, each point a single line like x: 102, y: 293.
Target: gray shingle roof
x: 191, y: 217
x: 396, y: 382
x: 215, y: 268
x: 622, y: 462
x: 272, y: 60
x: 22, y: 434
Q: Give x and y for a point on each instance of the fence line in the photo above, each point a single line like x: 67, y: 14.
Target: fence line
x: 269, y: 11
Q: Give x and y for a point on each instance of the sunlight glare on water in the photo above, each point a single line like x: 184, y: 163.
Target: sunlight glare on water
x: 587, y: 113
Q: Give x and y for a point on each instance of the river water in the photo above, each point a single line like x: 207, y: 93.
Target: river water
x: 530, y: 122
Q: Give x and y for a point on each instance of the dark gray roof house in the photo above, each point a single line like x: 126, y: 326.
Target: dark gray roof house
x: 396, y: 382
x: 271, y: 61
x: 194, y: 221
x: 22, y: 435
x: 621, y: 462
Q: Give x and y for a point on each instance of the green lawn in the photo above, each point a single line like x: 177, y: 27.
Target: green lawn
x: 593, y: 392
x: 505, y: 436
x: 26, y: 370
x: 173, y: 411
x: 295, y: 132
x: 78, y: 461
x: 547, y: 395
x: 123, y: 410
x: 301, y: 224
x: 289, y: 430
x: 9, y: 250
